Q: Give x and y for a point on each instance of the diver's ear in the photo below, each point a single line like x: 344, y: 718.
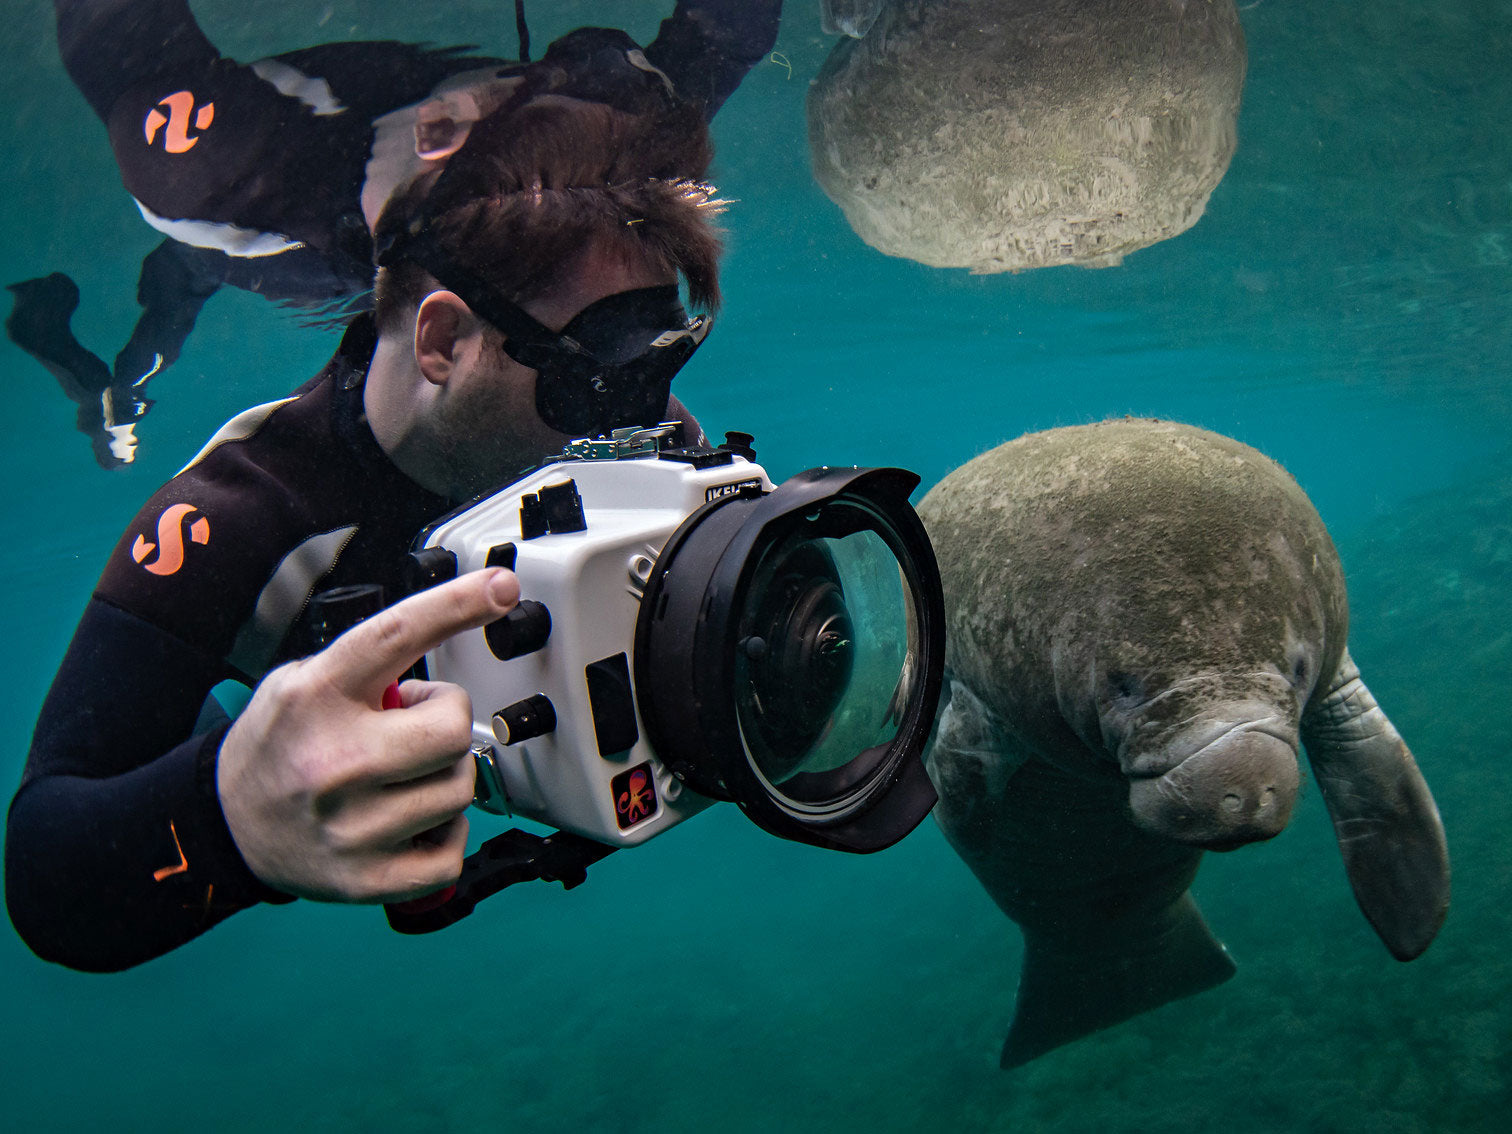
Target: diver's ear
x: 442, y: 322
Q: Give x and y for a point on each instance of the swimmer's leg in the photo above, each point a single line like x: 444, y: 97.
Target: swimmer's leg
x: 176, y: 281
x: 40, y: 324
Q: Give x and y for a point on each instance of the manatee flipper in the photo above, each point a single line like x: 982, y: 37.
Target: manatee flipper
x: 1386, y: 822
x: 1078, y: 982
x: 969, y: 760
x: 848, y: 17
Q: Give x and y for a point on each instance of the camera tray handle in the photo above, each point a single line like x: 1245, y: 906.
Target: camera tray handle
x: 514, y: 856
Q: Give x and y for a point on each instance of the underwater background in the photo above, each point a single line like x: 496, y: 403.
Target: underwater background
x: 1343, y: 306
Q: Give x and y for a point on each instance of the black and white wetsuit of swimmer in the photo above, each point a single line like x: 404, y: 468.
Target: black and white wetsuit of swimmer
x: 269, y: 176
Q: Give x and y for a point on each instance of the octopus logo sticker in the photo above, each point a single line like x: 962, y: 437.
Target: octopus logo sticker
x: 166, y: 556
x: 179, y: 107
x: 634, y: 796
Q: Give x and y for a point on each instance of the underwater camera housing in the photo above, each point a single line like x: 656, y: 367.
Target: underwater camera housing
x: 689, y: 633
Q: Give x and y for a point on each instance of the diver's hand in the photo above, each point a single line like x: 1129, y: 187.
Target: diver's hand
x: 330, y: 796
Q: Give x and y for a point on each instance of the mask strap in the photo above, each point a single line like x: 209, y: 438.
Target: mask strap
x: 512, y: 321
x: 522, y: 31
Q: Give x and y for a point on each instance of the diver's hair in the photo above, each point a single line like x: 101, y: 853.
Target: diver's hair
x: 534, y: 186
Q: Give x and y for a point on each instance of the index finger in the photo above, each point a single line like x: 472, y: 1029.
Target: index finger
x: 370, y: 655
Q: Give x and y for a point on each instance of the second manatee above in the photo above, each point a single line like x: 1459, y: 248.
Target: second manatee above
x: 1143, y: 620
x: 1000, y: 136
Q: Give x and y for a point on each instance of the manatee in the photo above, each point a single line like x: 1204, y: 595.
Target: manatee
x: 998, y: 136
x: 1143, y: 620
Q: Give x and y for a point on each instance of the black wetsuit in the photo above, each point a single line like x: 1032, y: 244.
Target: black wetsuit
x: 255, y: 172
x: 116, y: 847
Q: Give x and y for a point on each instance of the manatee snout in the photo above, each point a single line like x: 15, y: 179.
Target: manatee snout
x: 1239, y: 787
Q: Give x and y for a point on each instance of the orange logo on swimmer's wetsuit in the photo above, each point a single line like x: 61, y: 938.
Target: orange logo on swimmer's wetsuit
x: 176, y: 139
x: 170, y: 540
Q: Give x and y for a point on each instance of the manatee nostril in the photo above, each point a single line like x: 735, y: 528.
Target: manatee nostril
x: 1267, y: 799
x: 1231, y: 802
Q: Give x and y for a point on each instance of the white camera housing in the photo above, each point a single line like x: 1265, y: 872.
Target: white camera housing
x: 579, y: 776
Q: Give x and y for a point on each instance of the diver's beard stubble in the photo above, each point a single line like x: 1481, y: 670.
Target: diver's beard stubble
x: 487, y: 445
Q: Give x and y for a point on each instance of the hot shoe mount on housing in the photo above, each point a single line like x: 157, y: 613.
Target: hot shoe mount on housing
x: 686, y: 634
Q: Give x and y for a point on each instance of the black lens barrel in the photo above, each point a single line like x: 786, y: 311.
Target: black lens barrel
x: 688, y: 635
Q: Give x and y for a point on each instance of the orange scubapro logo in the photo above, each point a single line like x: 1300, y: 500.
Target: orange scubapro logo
x: 176, y: 138
x: 169, y: 548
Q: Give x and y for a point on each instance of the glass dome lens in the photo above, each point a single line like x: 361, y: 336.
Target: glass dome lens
x: 821, y: 659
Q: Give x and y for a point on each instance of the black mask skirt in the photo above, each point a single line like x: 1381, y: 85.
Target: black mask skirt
x: 612, y: 366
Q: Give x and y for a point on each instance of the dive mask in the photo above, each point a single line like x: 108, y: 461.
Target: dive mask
x: 611, y: 366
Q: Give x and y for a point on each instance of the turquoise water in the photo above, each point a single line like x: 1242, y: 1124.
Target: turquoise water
x: 1343, y: 306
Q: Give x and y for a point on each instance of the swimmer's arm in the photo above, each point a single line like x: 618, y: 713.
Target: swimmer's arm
x: 706, y: 47
x: 116, y: 847
x: 110, y: 45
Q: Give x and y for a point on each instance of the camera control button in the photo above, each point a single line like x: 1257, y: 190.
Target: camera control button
x: 429, y: 567
x: 612, y: 704
x: 522, y: 631
x: 555, y: 509
x: 525, y: 720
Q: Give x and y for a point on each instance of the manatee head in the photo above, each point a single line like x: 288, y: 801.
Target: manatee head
x: 1210, y: 754
x: 1149, y: 601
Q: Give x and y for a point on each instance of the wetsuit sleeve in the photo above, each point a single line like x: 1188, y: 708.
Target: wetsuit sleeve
x: 116, y: 847
x: 706, y: 47
x: 108, y: 46
x: 199, y: 137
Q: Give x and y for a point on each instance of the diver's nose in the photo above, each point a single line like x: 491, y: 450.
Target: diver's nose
x: 1239, y: 789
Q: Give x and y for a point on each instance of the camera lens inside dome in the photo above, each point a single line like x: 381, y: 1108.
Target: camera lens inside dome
x: 824, y: 649
x: 799, y: 657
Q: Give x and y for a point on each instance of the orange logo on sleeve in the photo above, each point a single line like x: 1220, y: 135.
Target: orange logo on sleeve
x: 178, y: 867
x: 169, y: 548
x: 176, y: 139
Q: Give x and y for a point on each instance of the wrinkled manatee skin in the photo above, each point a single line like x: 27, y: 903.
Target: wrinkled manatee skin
x: 998, y: 136
x: 1144, y: 619
x: 1088, y: 569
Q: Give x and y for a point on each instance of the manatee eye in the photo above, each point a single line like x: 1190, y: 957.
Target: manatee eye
x: 1299, y: 672
x: 1124, y: 686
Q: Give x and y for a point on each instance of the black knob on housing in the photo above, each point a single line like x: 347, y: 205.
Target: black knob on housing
x: 525, y: 720
x: 522, y: 631
x: 428, y: 567
x: 336, y: 610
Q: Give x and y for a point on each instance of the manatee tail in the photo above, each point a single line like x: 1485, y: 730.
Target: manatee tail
x: 1075, y: 984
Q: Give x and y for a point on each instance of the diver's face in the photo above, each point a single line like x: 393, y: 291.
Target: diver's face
x: 490, y: 428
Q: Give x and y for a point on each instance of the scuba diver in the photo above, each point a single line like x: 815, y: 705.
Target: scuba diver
x: 575, y: 213
x: 270, y: 176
